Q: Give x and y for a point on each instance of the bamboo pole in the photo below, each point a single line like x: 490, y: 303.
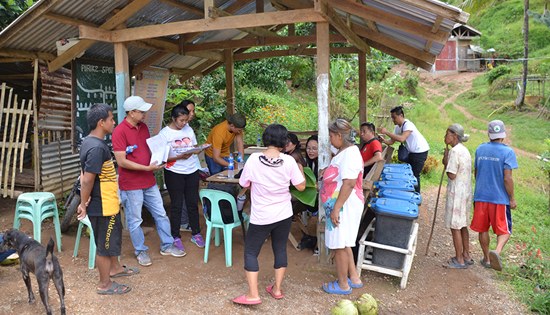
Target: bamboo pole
x: 16, y: 143
x: 36, y: 144
x: 13, y: 120
x: 2, y: 97
x: 4, y: 139
x: 25, y: 130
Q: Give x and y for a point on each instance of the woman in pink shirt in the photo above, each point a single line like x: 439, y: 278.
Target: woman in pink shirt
x: 269, y: 175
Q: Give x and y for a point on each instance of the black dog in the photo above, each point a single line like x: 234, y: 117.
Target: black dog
x: 35, y: 258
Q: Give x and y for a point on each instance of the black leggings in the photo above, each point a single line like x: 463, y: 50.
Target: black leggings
x: 417, y: 160
x: 255, y: 238
x: 183, y: 187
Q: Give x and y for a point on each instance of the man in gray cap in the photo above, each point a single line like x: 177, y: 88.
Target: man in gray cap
x: 494, y: 193
x: 137, y: 182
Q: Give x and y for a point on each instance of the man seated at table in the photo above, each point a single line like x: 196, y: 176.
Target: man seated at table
x: 221, y: 137
x: 372, y: 148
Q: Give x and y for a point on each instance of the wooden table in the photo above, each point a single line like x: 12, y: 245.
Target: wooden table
x: 222, y: 178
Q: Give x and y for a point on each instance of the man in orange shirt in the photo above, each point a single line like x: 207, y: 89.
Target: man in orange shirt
x: 221, y: 137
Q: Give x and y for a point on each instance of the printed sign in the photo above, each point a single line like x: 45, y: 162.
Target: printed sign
x: 152, y: 87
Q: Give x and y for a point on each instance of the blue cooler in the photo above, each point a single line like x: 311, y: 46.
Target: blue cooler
x: 393, y: 227
x: 400, y: 177
x: 403, y: 171
x: 398, y: 166
x: 410, y: 196
x: 394, y: 184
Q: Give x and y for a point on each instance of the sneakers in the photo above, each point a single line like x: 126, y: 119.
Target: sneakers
x: 178, y: 244
x: 172, y: 250
x: 185, y: 228
x: 197, y: 240
x: 144, y: 259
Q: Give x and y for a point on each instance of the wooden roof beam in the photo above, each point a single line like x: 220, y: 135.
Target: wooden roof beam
x: 261, y: 41
x: 461, y: 17
x: 184, y: 7
x: 258, y: 31
x: 291, y: 52
x: 203, y: 25
x: 119, y: 18
x: 334, y: 19
x: 383, y: 17
x: 28, y: 18
x: 17, y: 53
x: 166, y: 46
x: 149, y: 61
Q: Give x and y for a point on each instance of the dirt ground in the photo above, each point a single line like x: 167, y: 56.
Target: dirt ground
x: 189, y: 286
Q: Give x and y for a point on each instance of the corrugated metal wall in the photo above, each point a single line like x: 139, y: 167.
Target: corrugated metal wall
x: 446, y: 61
x: 59, y: 166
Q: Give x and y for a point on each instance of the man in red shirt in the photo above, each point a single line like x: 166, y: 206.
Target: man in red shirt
x: 136, y: 180
x: 372, y: 149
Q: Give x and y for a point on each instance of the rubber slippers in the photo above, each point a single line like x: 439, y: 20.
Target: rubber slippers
x: 454, y: 264
x: 127, y: 271
x: 494, y: 260
x: 355, y: 285
x: 469, y: 262
x: 244, y: 301
x: 269, y: 289
x: 334, y: 288
x: 485, y: 264
x: 115, y: 289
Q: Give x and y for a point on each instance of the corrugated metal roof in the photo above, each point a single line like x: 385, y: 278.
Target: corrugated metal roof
x: 41, y: 33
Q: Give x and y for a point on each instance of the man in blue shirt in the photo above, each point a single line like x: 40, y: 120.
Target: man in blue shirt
x: 494, y: 193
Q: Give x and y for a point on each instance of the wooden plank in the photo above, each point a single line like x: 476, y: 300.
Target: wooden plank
x: 203, y: 25
x: 229, y: 81
x: 16, y: 148
x: 184, y: 7
x: 292, y: 52
x: 119, y: 18
x: 13, y: 120
x: 382, y: 17
x: 362, y: 88
x: 4, y: 139
x: 336, y: 21
x: 441, y: 10
x: 258, y: 31
x: 208, y: 6
x: 66, y: 20
x: 30, y: 17
x: 148, y: 62
x: 25, y: 130
x: 2, y: 97
x: 18, y: 53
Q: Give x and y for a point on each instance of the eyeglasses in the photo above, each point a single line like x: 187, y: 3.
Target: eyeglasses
x: 311, y: 149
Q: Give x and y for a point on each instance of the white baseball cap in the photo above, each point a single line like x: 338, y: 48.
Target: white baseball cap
x: 136, y: 103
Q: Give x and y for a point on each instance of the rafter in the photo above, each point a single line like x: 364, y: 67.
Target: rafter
x: 449, y: 13
x: 258, y: 31
x: 17, y: 53
x: 334, y: 19
x: 184, y: 7
x: 291, y: 52
x: 203, y: 25
x: 149, y: 61
x: 82, y: 45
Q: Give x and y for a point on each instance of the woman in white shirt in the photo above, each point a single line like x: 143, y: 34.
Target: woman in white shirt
x: 405, y: 132
x: 181, y: 175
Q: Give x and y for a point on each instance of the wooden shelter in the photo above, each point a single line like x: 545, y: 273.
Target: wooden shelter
x: 459, y: 54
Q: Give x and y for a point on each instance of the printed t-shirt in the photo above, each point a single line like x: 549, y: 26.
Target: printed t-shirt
x: 270, y: 180
x: 492, y: 158
x: 95, y: 157
x: 126, y: 135
x: 181, y: 139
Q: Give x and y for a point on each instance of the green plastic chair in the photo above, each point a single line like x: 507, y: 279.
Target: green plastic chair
x: 37, y: 206
x: 215, y: 221
x: 92, y: 251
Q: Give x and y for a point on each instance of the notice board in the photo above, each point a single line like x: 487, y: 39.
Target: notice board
x: 152, y: 86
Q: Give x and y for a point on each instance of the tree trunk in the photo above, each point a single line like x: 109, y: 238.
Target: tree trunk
x: 521, y: 94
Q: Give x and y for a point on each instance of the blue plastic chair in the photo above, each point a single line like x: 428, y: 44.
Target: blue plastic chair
x: 37, y: 206
x: 92, y: 252
x: 215, y: 221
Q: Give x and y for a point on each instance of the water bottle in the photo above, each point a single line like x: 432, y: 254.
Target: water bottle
x: 231, y: 167
x: 240, y: 202
x: 240, y: 162
x: 131, y: 148
x: 259, y: 141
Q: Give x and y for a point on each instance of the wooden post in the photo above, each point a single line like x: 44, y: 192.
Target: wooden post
x: 122, y: 78
x: 229, y: 81
x: 259, y: 6
x: 323, y: 64
x: 36, y: 144
x: 362, y: 88
x: 207, y: 5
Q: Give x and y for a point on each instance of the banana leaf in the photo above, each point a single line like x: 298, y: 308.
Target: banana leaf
x: 309, y: 195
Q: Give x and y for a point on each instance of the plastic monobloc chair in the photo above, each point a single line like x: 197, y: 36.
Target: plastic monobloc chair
x: 215, y: 221
x: 37, y: 206
x: 92, y: 251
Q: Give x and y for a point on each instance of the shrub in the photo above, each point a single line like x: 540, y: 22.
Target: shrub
x: 431, y: 164
x: 497, y: 72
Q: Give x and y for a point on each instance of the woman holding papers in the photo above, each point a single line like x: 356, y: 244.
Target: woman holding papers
x: 181, y: 175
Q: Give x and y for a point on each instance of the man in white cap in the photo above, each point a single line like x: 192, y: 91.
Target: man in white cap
x: 494, y: 193
x: 137, y: 181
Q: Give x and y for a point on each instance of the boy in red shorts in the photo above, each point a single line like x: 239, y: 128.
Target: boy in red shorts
x: 494, y: 193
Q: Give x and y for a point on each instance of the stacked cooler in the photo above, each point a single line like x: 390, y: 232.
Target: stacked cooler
x: 396, y: 209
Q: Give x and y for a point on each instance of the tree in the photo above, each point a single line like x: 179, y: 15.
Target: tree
x: 11, y: 9
x: 521, y: 95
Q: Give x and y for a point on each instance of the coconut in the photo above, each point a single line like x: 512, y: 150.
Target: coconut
x: 344, y: 307
x: 367, y: 305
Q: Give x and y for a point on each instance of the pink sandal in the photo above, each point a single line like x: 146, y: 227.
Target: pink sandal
x: 244, y: 301
x: 269, y: 289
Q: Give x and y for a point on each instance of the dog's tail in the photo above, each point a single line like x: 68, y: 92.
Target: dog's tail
x: 49, y: 256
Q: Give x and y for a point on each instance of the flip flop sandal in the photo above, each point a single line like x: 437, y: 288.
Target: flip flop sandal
x: 269, y: 289
x: 485, y: 263
x: 244, y: 301
x: 469, y: 262
x: 453, y: 264
x: 115, y: 289
x: 355, y: 285
x: 128, y: 271
x: 334, y: 288
x: 494, y: 260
